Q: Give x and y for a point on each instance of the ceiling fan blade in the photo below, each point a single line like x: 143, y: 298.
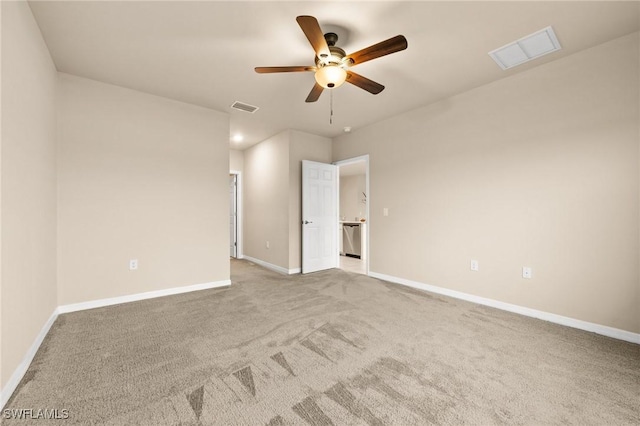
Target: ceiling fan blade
x: 315, y: 93
x: 394, y: 44
x: 314, y: 34
x: 267, y: 70
x: 364, y: 83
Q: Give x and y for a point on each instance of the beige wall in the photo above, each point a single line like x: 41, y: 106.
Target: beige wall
x: 303, y: 146
x: 236, y: 160
x: 265, y: 198
x: 352, y: 188
x: 140, y: 177
x: 538, y: 169
x: 28, y: 279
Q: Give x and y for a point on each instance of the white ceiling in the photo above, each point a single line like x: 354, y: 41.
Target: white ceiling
x: 204, y: 52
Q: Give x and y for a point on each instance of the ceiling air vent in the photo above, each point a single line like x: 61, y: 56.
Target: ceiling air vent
x: 244, y: 107
x: 527, y: 48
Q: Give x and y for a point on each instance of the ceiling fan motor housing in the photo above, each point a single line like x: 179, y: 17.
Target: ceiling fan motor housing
x: 336, y: 57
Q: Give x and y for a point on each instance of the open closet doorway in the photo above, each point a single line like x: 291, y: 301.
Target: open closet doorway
x: 353, y: 202
x: 235, y: 215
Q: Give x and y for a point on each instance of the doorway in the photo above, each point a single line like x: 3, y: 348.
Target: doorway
x: 353, y: 202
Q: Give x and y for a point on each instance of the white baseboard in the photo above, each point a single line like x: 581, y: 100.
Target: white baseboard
x: 19, y: 372
x: 271, y: 266
x: 604, y: 330
x: 63, y: 309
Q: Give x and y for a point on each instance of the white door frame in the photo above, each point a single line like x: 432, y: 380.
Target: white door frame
x: 358, y: 159
x: 239, y: 253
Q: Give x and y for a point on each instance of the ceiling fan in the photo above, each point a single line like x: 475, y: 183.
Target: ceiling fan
x: 333, y: 65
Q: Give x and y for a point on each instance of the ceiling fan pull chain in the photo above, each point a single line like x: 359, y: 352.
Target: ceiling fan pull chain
x: 331, y: 107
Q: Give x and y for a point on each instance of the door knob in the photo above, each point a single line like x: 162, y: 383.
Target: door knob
x: 307, y: 222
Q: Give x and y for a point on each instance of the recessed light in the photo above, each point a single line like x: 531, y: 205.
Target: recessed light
x: 347, y: 129
x: 237, y: 138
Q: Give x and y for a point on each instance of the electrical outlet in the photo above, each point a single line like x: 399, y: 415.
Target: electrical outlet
x: 526, y: 272
x: 133, y: 264
x: 267, y: 244
x: 385, y: 211
x: 474, y: 265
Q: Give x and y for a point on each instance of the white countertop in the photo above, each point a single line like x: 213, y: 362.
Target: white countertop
x: 352, y: 222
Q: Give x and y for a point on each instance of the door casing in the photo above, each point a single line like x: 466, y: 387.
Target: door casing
x: 239, y: 213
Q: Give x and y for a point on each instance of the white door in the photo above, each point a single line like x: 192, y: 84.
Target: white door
x: 319, y: 216
x: 233, y: 226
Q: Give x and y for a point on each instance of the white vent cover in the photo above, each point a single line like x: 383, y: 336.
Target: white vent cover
x: 244, y: 107
x: 527, y: 48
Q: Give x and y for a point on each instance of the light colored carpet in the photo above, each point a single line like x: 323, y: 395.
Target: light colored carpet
x: 327, y: 348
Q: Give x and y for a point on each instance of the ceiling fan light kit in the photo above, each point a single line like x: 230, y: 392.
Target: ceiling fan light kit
x: 333, y: 64
x: 331, y: 76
